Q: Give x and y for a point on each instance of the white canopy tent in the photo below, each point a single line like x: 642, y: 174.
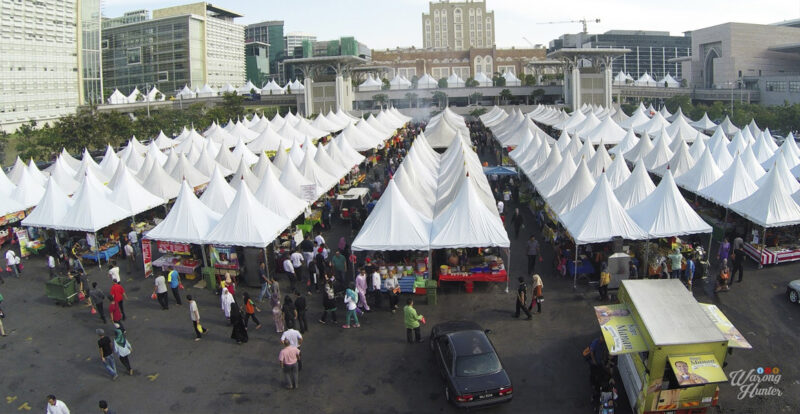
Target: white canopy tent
x: 218, y: 195
x: 188, y: 221
x: 247, y: 223
x: 394, y: 224
x: 665, y: 213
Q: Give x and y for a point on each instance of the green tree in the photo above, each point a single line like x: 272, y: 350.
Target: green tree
x: 678, y: 101
x: 443, y: 82
x: 470, y: 82
x: 3, y: 144
x: 529, y: 80
x: 440, y: 97
x: 386, y: 85
x: 411, y: 97
x: 506, y: 95
x: 475, y: 97
x: 380, y: 99
x: 536, y: 95
x: 475, y: 113
x: 498, y: 79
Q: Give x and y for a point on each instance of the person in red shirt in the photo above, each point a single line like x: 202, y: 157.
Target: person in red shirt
x: 116, y: 314
x: 118, y: 293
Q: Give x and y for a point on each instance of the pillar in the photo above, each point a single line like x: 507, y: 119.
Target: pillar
x: 575, y: 88
x: 309, y: 95
x: 607, y: 85
x: 339, y: 91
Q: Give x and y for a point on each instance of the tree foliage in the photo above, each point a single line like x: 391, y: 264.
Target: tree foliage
x: 506, y: 95
x: 440, y: 97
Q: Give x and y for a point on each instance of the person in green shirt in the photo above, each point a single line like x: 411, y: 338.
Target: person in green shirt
x: 675, y: 261
x: 412, y: 320
x: 339, y: 266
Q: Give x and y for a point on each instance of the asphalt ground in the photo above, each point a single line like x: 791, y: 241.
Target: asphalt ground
x: 52, y: 349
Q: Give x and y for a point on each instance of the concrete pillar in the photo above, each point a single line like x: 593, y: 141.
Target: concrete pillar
x: 339, y: 91
x: 575, y: 86
x: 607, y: 84
x: 309, y: 96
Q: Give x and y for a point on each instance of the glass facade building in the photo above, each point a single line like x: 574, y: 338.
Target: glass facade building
x: 91, y: 56
x: 270, y: 32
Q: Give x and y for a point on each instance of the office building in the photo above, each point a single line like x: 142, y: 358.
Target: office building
x: 651, y: 51
x: 271, y: 33
x: 49, y: 59
x: 293, y: 44
x: 751, y: 56
x: 127, y: 18
x: 190, y: 45
x: 458, y: 25
x: 344, y: 46
x: 256, y: 56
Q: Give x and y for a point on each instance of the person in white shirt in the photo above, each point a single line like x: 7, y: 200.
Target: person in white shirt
x: 51, y: 265
x: 293, y: 336
x: 500, y: 206
x: 376, y: 288
x: 288, y: 268
x: 319, y: 239
x: 12, y: 261
x: 130, y: 253
x: 393, y: 289
x: 55, y: 406
x: 160, y: 289
x: 113, y: 271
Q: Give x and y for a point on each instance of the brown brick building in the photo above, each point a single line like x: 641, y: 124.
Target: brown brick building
x: 440, y: 63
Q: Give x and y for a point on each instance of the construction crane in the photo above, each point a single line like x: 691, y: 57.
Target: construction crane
x: 583, y: 22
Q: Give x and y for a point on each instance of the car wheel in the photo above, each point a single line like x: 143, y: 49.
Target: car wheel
x: 794, y: 296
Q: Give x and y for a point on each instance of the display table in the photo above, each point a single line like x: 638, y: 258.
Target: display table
x: 105, y: 254
x: 771, y: 255
x: 499, y: 276
x: 183, y: 265
x: 584, y: 267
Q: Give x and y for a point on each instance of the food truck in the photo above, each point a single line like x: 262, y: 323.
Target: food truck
x: 670, y: 348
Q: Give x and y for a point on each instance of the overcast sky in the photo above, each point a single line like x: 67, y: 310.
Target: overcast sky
x: 391, y: 23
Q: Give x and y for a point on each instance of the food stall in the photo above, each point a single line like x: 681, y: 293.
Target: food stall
x: 781, y: 246
x: 176, y: 256
x: 670, y: 349
x: 480, y: 268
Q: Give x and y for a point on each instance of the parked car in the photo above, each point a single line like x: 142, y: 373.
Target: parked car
x: 793, y: 291
x: 473, y: 373
x: 352, y: 200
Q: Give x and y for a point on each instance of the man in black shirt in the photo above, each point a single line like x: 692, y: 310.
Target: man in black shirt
x: 106, y: 348
x: 300, y: 307
x: 522, y: 292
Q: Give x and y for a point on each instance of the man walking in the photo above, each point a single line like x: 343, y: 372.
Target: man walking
x: 738, y: 263
x: 160, y: 289
x: 264, y: 278
x: 300, y: 307
x: 297, y: 263
x: 133, y: 237
x: 119, y: 295
x: 115, y: 314
x: 55, y: 406
x: 339, y: 266
x: 130, y: 253
x: 12, y: 262
x: 174, y: 279
x: 533, y: 253
x: 412, y: 320
x: 518, y: 221
x: 289, y: 357
x: 288, y: 268
x: 522, y: 292
x: 194, y: 314
x: 106, y: 348
x: 98, y: 297
x: 376, y: 287
x: 113, y: 271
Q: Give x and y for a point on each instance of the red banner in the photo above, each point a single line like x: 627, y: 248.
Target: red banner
x: 177, y: 248
x: 147, y: 258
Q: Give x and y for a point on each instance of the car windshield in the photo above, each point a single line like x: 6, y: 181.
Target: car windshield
x: 478, y: 364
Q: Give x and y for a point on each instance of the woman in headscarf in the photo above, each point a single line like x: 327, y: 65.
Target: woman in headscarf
x: 123, y: 348
x: 277, y: 314
x: 226, y: 301
x: 229, y: 284
x: 328, y: 302
x: 538, y: 298
x: 239, y: 332
x: 361, y: 289
x: 289, y: 312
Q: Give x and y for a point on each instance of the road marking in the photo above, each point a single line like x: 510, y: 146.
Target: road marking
x: 24, y: 407
x: 235, y: 396
x: 11, y: 399
x: 152, y: 377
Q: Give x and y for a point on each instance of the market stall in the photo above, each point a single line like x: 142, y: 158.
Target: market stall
x: 669, y: 348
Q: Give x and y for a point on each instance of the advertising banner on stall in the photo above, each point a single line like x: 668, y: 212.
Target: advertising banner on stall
x: 147, y: 257
x: 735, y: 338
x: 22, y: 237
x: 12, y: 218
x: 224, y: 257
x: 176, y: 248
x: 696, y: 369
x: 620, y: 330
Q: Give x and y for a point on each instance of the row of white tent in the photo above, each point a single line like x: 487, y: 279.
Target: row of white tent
x: 428, y: 82
x: 646, y: 79
x: 285, y: 186
x: 435, y: 201
x: 207, y: 91
x: 725, y: 172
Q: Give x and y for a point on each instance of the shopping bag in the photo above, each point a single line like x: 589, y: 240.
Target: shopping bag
x: 180, y: 286
x: 81, y: 296
x: 94, y: 311
x: 199, y: 327
x: 422, y: 320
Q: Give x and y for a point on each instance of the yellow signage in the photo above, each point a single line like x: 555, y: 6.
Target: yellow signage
x: 696, y: 369
x: 620, y: 330
x: 735, y: 338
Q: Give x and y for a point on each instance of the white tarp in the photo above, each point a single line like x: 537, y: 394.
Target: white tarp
x: 218, y: 195
x: 92, y: 210
x: 188, y: 221
x: 394, y: 224
x: 665, y: 213
x: 247, y: 223
x: 49, y: 213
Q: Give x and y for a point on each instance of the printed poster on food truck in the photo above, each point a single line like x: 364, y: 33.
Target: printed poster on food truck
x: 696, y: 369
x: 735, y: 338
x: 620, y: 331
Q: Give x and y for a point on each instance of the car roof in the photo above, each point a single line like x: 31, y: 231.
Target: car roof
x: 455, y: 326
x: 470, y: 343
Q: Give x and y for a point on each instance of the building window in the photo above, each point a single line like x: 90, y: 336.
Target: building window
x: 776, y: 86
x: 488, y: 66
x: 457, y: 15
x: 506, y: 68
x: 479, y: 64
x: 163, y: 76
x: 794, y: 86
x: 134, y: 55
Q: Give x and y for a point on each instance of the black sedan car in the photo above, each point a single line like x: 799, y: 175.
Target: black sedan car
x: 472, y: 371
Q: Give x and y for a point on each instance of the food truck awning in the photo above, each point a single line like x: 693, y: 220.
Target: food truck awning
x: 670, y: 314
x: 620, y: 330
x: 696, y: 369
x: 735, y: 338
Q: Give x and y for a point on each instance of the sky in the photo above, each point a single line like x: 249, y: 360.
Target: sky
x: 385, y: 24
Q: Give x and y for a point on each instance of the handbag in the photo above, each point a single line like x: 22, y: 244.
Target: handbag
x: 124, y: 351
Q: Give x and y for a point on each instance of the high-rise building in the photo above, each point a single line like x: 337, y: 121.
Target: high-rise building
x: 127, y: 18
x: 256, y: 55
x: 458, y: 25
x: 293, y: 43
x: 651, y: 51
x: 49, y: 59
x: 269, y: 32
x: 191, y: 45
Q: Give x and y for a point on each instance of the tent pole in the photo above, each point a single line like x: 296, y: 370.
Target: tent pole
x: 266, y: 261
x: 710, y: 240
x: 430, y: 264
x: 203, y: 250
x: 97, y: 250
x: 647, y: 258
x: 575, y: 269
x: 763, y: 246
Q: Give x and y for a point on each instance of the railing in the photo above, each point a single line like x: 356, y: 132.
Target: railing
x: 739, y: 95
